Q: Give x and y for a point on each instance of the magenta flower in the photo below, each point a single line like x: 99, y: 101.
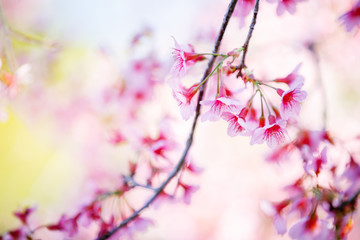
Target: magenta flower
x: 286, y: 5
x: 351, y: 18
x: 24, y: 215
x: 237, y: 125
x: 185, y: 57
x: 274, y: 134
x: 218, y: 106
x: 290, y: 102
x: 186, y: 101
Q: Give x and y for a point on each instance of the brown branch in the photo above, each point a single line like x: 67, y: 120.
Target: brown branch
x: 247, y: 41
x: 189, y: 141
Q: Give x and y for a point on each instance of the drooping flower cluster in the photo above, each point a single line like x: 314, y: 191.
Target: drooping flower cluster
x: 263, y: 120
x: 326, y: 209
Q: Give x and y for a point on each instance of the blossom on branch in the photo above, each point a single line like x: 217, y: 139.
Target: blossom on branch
x: 274, y: 134
x: 290, y: 102
x: 186, y: 100
x: 218, y: 106
x: 185, y: 56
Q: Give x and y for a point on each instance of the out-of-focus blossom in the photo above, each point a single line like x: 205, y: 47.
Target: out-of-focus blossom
x: 186, y: 100
x: 286, y: 5
x: 24, y: 215
x: 242, y: 9
x: 188, y: 191
x: 311, y: 228
x: 293, y: 79
x: 351, y: 19
x: 274, y: 210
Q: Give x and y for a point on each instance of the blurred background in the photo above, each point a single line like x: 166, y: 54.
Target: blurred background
x: 54, y: 148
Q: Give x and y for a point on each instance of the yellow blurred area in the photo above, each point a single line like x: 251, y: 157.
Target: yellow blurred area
x: 32, y: 171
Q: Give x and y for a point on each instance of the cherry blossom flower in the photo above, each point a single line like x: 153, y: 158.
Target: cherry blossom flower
x: 286, y: 5
x: 351, y: 19
x: 290, y: 102
x: 281, y: 153
x: 218, y: 106
x: 193, y: 168
x: 293, y: 79
x: 17, y: 234
x: 23, y: 215
x: 186, y: 100
x: 185, y: 56
x: 242, y: 9
x: 274, y: 211
x: 67, y: 225
x: 313, y: 164
x: 188, y: 191
x: 237, y: 125
x: 311, y: 228
x: 274, y: 134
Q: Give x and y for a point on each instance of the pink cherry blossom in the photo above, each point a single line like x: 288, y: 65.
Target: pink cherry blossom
x: 242, y: 9
x: 186, y: 100
x: 281, y: 153
x: 314, y: 164
x: 290, y: 102
x: 286, y: 5
x: 68, y: 225
x: 24, y: 215
x: 185, y: 56
x: 188, y: 191
x: 274, y: 210
x: 293, y: 79
x: 218, y: 106
x: 274, y: 134
x: 237, y: 125
x: 351, y: 19
x: 311, y: 228
x: 192, y: 167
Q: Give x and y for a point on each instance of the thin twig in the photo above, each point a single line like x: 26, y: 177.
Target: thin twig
x: 247, y: 41
x: 189, y: 141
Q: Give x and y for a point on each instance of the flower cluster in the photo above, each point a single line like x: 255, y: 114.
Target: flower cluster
x: 326, y: 207
x: 262, y: 118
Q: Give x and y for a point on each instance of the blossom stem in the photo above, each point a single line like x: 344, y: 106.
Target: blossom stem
x: 189, y: 141
x: 212, y: 54
x: 267, y: 85
x: 212, y: 72
x: 247, y: 41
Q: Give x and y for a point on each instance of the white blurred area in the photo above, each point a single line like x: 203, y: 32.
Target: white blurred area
x: 236, y: 176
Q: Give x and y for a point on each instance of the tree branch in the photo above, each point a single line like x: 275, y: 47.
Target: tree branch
x: 247, y: 41
x: 189, y: 141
